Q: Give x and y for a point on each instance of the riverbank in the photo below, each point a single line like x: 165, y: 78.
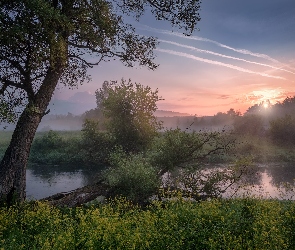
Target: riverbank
x: 259, y: 149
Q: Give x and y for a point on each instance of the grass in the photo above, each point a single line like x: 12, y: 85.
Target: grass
x: 260, y: 149
x: 51, y: 156
x: 179, y: 224
x: 263, y: 150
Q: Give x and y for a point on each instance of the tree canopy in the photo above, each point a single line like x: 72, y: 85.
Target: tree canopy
x: 43, y: 42
x: 41, y: 35
x: 129, y: 112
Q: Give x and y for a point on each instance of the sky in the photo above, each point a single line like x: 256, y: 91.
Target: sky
x: 243, y: 54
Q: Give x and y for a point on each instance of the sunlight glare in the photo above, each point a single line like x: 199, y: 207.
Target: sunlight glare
x: 265, y: 96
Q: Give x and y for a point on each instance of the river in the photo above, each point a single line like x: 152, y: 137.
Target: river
x: 43, y: 181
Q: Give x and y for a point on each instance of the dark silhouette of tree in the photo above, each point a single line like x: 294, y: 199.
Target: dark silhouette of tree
x: 250, y: 124
x: 43, y: 42
x: 282, y: 130
x: 258, y: 108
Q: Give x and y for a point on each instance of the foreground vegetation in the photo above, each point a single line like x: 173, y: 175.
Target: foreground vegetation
x: 179, y: 224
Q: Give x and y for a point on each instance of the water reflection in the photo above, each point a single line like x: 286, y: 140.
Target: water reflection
x: 279, y: 174
x: 43, y: 181
x: 268, y: 181
x: 274, y: 181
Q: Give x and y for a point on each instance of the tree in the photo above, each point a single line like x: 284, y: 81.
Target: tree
x: 232, y: 113
x: 250, y: 124
x: 282, y: 130
x: 43, y: 42
x: 129, y: 112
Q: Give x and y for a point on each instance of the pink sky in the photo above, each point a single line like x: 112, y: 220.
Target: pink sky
x: 243, y: 54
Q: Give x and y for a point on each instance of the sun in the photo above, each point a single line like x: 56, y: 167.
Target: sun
x: 264, y: 97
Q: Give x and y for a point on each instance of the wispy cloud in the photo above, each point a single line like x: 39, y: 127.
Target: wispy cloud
x: 223, y: 97
x: 197, y: 38
x: 224, y: 56
x: 181, y: 54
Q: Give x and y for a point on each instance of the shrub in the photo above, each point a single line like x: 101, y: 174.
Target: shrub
x: 49, y: 141
x: 249, y: 124
x: 176, y: 148
x: 282, y: 130
x: 131, y: 176
x: 95, y: 145
x: 48, y: 149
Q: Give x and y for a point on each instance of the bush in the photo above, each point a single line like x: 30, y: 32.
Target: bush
x: 176, y: 148
x: 49, y: 149
x: 53, y: 148
x: 249, y: 124
x: 282, y: 130
x: 95, y: 145
x: 49, y: 141
x: 132, y: 177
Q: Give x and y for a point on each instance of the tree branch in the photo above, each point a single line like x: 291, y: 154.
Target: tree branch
x: 15, y: 64
x: 7, y: 83
x: 89, y: 64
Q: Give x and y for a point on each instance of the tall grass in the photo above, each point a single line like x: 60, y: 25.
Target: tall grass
x: 216, y: 224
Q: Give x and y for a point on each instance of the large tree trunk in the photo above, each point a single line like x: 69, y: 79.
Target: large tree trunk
x: 14, y: 162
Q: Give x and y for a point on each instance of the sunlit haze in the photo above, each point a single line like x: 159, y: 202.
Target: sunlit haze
x: 244, y: 54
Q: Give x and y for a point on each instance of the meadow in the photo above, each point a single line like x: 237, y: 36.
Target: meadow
x: 65, y: 148
x: 178, y: 224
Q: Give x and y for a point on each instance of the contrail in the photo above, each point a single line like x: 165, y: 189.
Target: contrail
x: 217, y: 63
x: 222, y: 55
x: 242, y: 51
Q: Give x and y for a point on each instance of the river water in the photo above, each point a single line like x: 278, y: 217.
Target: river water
x: 43, y: 181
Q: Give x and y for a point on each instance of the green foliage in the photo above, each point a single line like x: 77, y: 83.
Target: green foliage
x: 176, y: 148
x: 92, y: 147
x: 217, y: 224
x: 213, y: 182
x: 260, y: 149
x: 129, y: 111
x: 282, y: 130
x: 50, y: 140
x: 95, y: 145
x: 6, y: 114
x: 49, y: 149
x: 250, y: 124
x: 132, y: 176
